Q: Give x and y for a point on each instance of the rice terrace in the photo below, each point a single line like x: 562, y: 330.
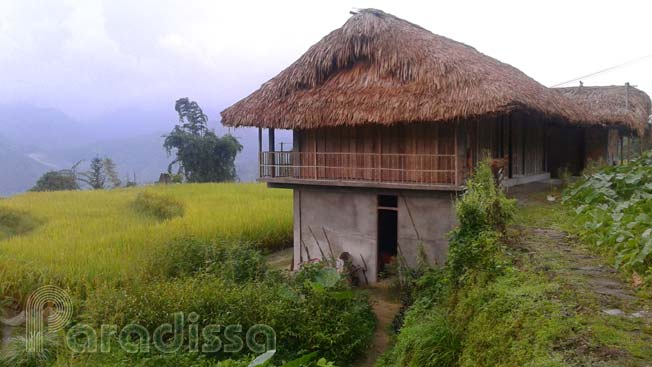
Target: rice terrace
x: 291, y: 184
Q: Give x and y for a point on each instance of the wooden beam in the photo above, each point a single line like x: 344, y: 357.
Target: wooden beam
x: 271, y: 144
x: 509, y: 145
x: 260, y: 152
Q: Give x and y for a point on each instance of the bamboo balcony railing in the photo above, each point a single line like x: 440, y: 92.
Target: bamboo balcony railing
x: 417, y: 169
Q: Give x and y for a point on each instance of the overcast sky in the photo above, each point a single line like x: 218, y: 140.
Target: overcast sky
x: 89, y: 57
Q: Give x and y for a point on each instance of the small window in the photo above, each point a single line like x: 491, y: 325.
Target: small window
x: 388, y: 201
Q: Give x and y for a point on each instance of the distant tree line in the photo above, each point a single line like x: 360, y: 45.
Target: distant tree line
x: 201, y: 156
x: 102, y: 174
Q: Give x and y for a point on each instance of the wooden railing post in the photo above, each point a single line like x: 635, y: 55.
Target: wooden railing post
x: 272, y: 156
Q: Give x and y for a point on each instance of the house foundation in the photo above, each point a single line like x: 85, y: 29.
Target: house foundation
x: 370, y: 225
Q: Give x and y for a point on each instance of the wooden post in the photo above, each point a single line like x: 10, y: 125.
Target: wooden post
x: 455, y: 163
x: 271, y: 146
x: 509, y: 145
x: 260, y: 152
x: 314, y: 152
x: 379, y: 152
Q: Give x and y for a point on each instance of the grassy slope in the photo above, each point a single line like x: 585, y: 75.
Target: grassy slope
x: 584, y: 286
x: 91, y: 237
x: 545, y: 310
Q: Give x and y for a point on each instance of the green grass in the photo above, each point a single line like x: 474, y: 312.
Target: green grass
x: 89, y: 238
x: 15, y: 222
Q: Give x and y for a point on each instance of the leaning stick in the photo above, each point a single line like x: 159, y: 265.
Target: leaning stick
x: 330, y: 248
x: 323, y: 256
x: 364, y: 270
x: 307, y: 251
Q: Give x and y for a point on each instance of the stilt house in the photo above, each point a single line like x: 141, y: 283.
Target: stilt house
x: 388, y: 121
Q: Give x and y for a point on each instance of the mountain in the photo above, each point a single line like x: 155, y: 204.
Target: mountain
x: 19, y: 170
x: 37, y: 127
x: 35, y: 140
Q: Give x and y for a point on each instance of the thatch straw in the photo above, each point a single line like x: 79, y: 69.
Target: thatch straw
x: 613, y: 105
x: 379, y: 69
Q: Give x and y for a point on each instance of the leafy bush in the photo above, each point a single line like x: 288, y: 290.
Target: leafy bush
x: 435, y: 327
x: 56, y: 181
x: 17, y: 355
x: 189, y: 256
x: 428, y: 339
x: 613, y: 210
x: 160, y: 206
x: 315, y: 312
x: 483, y: 213
x: 15, y: 222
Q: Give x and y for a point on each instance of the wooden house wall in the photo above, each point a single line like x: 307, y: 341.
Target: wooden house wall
x: 397, y: 153
x: 406, y: 153
x: 613, y: 146
x: 596, y: 140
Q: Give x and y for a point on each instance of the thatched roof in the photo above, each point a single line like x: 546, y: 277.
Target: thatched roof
x: 379, y: 69
x: 613, y: 105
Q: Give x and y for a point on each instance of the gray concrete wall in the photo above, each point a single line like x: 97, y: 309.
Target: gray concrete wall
x: 347, y: 218
x: 425, y: 218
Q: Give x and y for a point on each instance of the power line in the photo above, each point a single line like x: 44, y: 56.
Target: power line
x: 605, y: 70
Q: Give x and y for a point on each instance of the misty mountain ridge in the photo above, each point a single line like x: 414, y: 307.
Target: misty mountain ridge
x: 34, y: 140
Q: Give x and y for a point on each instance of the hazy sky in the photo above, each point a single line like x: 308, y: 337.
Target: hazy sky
x: 88, y: 57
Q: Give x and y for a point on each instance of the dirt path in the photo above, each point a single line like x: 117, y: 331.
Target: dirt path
x: 615, y: 322
x: 384, y: 300
x: 386, y: 305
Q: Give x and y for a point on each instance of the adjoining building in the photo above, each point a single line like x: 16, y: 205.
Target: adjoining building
x: 388, y: 121
x: 624, y: 112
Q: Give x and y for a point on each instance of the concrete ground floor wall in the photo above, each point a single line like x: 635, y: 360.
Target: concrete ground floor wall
x: 329, y: 221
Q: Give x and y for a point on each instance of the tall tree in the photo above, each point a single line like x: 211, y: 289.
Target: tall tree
x: 111, y: 172
x: 95, y: 177
x: 202, y: 156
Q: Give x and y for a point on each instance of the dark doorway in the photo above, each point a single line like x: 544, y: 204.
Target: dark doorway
x: 565, y: 150
x: 387, y: 230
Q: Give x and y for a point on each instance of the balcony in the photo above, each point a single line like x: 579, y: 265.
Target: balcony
x: 399, y: 171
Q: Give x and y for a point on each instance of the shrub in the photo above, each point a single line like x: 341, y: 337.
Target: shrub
x: 436, y: 324
x: 483, y: 213
x: 56, y: 181
x: 612, y: 210
x: 189, y: 256
x: 15, y: 222
x: 157, y: 205
x: 17, y: 355
x: 428, y: 339
x: 308, y: 313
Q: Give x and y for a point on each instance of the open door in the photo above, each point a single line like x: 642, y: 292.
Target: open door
x: 387, y: 230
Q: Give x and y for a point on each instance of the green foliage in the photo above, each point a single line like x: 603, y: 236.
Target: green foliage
x: 202, y: 155
x: 15, y: 222
x: 187, y: 257
x: 613, y: 210
x: 17, y: 355
x: 306, y: 315
x: 95, y: 177
x: 88, y: 238
x: 428, y: 339
x: 435, y: 328
x: 56, y: 181
x: 101, y: 174
x: 514, y: 320
x: 483, y: 213
x: 160, y: 206
x: 111, y: 172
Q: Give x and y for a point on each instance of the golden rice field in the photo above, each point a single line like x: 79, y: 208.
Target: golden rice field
x: 86, y: 238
